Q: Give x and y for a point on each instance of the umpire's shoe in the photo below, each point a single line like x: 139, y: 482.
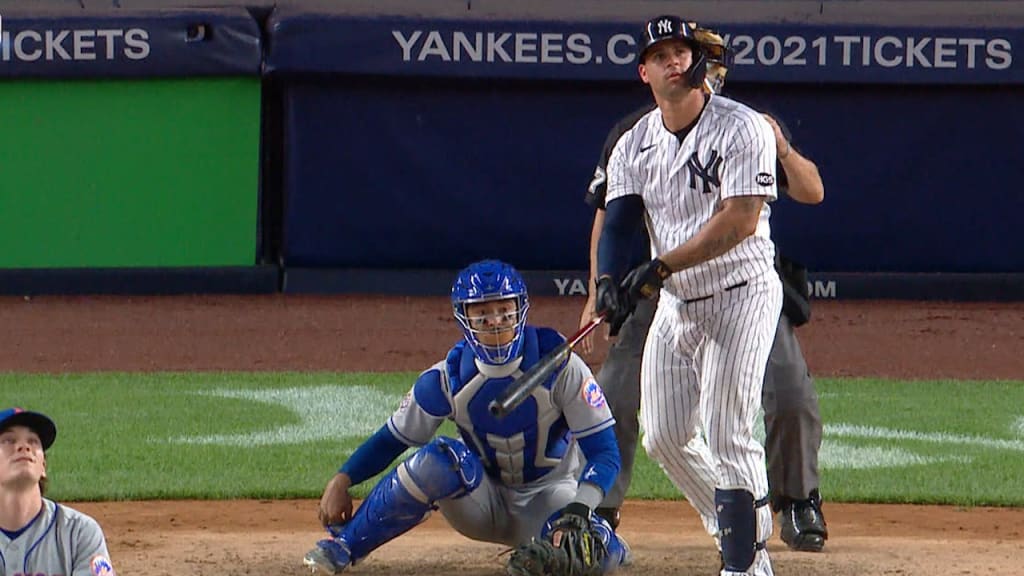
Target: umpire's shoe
x: 330, y: 556
x: 803, y: 525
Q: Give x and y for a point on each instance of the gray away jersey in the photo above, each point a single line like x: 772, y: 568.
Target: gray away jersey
x: 518, y: 449
x: 730, y: 152
x: 60, y: 542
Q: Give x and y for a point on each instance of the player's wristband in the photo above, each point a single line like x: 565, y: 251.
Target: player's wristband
x: 578, y: 509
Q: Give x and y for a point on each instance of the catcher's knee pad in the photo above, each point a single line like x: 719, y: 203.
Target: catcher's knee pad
x: 444, y: 468
x: 738, y: 528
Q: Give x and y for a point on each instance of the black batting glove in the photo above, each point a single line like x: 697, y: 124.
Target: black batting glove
x: 613, y: 303
x: 646, y: 280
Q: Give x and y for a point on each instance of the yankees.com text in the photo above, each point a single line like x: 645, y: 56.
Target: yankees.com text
x: 512, y: 47
x: 765, y: 50
x: 820, y: 289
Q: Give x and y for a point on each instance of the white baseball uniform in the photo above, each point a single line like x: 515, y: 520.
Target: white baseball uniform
x: 61, y: 541
x: 705, y: 355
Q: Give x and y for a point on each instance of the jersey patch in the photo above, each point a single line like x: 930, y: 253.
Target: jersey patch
x: 599, y: 183
x: 100, y: 566
x: 592, y: 393
x: 406, y: 401
x: 764, y: 179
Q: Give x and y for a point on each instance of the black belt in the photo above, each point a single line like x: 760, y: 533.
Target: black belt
x: 729, y: 289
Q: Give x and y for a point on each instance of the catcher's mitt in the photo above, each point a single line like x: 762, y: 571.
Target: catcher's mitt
x: 579, y: 550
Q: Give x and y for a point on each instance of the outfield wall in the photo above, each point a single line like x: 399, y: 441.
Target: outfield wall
x: 131, y: 142
x: 424, y: 144
x: 408, y: 139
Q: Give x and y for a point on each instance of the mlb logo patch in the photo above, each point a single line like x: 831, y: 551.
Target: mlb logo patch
x: 593, y: 394
x: 100, y: 566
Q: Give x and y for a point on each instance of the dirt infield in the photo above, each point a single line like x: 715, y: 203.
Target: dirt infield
x: 896, y: 339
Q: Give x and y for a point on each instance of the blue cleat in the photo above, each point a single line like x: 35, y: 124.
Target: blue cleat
x: 330, y: 556
x: 627, y: 552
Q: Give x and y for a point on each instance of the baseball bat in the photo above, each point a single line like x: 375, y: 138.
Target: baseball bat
x: 519, y: 390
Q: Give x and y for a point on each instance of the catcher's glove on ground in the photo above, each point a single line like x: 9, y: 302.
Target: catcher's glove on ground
x: 580, y: 550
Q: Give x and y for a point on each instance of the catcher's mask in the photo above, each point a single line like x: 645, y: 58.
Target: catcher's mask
x: 675, y: 28
x: 486, y: 281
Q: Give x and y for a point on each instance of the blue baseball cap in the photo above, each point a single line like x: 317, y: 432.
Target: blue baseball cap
x: 34, y: 421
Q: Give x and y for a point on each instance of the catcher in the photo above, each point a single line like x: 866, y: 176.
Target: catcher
x: 520, y: 481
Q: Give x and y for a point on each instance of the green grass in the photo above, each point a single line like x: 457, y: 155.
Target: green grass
x: 282, y: 435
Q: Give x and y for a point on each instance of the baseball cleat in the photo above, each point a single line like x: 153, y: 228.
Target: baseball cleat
x: 627, y: 552
x: 803, y: 525
x: 329, y: 557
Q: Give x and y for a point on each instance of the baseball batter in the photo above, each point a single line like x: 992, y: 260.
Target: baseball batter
x: 699, y: 168
x: 520, y: 481
x: 39, y: 537
x: 791, y: 413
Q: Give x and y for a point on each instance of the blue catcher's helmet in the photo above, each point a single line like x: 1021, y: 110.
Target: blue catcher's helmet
x: 482, y: 282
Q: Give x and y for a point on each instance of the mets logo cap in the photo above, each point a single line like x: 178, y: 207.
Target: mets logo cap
x: 34, y: 421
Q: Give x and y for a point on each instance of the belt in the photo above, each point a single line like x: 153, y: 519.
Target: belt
x: 729, y: 289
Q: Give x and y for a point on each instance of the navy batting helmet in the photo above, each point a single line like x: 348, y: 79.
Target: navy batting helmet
x: 674, y: 27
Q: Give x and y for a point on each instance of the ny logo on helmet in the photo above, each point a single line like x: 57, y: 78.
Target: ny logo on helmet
x: 664, y: 26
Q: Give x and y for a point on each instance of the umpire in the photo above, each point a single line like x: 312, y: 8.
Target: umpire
x: 792, y: 416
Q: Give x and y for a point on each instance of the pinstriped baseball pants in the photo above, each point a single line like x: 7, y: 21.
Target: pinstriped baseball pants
x: 703, y: 371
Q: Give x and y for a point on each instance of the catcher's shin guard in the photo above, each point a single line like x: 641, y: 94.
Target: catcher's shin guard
x: 388, y: 512
x: 444, y: 468
x: 738, y: 524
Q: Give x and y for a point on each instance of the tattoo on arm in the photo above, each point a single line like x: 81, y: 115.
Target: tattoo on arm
x: 720, y: 244
x: 745, y: 209
x: 735, y: 218
x: 749, y: 205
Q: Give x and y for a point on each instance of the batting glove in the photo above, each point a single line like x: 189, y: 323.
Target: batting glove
x: 646, y: 280
x: 613, y: 303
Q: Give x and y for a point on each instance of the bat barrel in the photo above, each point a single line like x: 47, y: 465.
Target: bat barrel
x: 516, y: 393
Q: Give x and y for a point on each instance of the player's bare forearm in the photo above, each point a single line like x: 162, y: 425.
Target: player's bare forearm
x: 805, y: 185
x: 587, y: 344
x: 595, y: 238
x: 735, y: 220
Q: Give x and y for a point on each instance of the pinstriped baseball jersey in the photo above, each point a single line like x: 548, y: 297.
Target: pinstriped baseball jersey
x: 730, y: 152
x: 60, y: 541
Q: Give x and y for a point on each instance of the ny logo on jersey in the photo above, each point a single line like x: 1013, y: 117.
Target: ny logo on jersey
x: 664, y: 27
x: 708, y: 172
